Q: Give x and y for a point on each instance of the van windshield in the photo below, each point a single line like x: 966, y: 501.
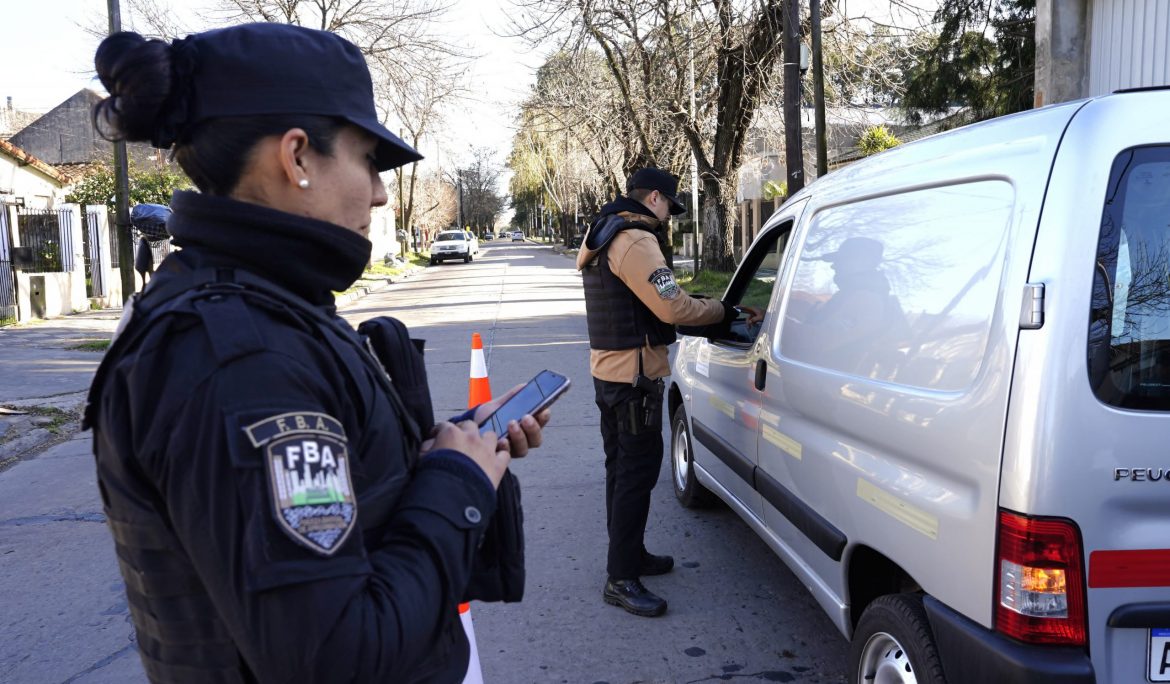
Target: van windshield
x: 1129, y: 325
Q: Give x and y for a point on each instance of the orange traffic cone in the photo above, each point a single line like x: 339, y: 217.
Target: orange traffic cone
x: 479, y: 390
x: 474, y: 671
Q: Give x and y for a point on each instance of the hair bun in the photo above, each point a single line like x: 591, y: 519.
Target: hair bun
x: 137, y: 72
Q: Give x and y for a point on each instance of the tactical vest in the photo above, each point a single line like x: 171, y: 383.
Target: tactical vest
x: 180, y: 635
x: 616, y: 318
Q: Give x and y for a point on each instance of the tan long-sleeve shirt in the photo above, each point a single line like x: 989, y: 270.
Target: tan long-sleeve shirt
x: 635, y: 258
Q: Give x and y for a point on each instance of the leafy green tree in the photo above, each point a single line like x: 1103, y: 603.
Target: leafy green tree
x: 775, y: 190
x: 984, y: 58
x: 876, y: 139
x: 153, y: 186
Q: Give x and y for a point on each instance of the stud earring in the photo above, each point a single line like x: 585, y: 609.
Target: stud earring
x: 303, y: 183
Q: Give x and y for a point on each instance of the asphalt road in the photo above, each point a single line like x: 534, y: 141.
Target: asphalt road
x: 736, y: 612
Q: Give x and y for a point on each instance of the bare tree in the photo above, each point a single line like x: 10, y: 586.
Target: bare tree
x: 569, y: 153
x: 480, y: 193
x: 437, y: 206
x: 418, y: 73
x: 648, y: 47
x: 421, y: 109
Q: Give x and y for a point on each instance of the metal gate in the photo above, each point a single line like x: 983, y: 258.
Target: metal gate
x: 7, y: 277
x: 40, y: 232
x: 95, y: 275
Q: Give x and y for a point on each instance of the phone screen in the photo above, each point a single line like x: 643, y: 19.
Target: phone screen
x: 536, y: 395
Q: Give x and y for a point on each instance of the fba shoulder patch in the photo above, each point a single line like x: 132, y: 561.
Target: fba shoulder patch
x: 307, y: 463
x: 663, y: 281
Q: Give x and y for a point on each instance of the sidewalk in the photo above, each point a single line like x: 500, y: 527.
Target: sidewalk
x: 46, y: 367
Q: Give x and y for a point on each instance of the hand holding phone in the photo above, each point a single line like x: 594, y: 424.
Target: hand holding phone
x: 540, y: 392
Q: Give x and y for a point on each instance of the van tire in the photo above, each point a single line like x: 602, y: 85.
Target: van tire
x: 894, y: 633
x: 690, y: 493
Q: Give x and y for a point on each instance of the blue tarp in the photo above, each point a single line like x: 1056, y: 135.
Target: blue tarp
x: 151, y: 220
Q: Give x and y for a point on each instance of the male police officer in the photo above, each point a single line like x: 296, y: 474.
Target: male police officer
x: 632, y: 305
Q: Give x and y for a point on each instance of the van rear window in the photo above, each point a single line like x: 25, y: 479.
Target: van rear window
x: 1129, y: 324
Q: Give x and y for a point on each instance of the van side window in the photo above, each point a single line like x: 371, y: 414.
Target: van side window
x: 1129, y: 323
x: 901, y: 288
x: 756, y: 278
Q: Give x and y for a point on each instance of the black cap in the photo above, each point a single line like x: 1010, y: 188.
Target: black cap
x: 651, y: 178
x: 270, y: 68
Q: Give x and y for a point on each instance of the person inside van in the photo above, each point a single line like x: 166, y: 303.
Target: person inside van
x: 852, y: 324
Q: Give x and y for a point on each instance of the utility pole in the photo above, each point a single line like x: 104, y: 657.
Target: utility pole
x: 459, y: 179
x: 793, y: 154
x: 695, y: 209
x: 819, y: 91
x: 401, y: 206
x: 122, y: 189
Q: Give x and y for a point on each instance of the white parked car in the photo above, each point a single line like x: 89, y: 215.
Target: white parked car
x: 454, y: 244
x: 952, y: 422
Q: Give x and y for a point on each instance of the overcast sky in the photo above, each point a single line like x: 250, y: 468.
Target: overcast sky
x: 40, y: 69
x: 50, y: 57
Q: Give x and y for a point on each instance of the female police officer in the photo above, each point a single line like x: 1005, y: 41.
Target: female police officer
x: 275, y: 515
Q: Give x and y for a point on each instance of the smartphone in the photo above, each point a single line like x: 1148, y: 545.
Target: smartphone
x: 540, y: 392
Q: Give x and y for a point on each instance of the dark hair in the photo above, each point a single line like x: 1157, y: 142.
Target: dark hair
x: 214, y: 153
x: 143, y: 105
x: 639, y: 194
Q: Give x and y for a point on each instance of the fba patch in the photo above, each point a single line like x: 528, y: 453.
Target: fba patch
x: 308, y: 470
x: 663, y: 281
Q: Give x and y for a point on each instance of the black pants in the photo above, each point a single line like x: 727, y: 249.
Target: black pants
x: 632, y: 463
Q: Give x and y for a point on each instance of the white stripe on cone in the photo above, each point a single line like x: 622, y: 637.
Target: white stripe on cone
x: 478, y: 365
x: 474, y: 672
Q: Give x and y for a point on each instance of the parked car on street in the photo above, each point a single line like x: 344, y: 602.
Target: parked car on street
x: 517, y: 236
x: 488, y: 236
x: 952, y: 422
x: 453, y: 244
x: 473, y: 240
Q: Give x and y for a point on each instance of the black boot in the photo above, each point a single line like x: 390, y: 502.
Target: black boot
x: 656, y: 565
x: 635, y: 598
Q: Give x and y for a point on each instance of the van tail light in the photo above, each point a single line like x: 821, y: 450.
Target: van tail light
x: 1040, y: 588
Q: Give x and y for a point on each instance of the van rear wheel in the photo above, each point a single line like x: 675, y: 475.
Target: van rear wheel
x: 690, y: 493
x: 893, y: 644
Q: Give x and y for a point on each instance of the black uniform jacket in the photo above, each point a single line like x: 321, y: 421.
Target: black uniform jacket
x: 187, y: 435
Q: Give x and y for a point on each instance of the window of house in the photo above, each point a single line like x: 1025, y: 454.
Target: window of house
x: 1129, y: 320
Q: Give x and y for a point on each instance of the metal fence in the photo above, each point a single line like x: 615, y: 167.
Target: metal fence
x: 40, y: 231
x: 95, y: 278
x: 7, y: 278
x: 115, y: 255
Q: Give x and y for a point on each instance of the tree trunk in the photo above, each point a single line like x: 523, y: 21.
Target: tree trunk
x: 718, y: 225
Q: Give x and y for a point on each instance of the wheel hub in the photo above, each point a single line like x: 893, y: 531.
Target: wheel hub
x: 884, y: 661
x: 681, y: 455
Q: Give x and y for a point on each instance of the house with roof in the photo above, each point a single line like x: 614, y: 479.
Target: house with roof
x: 50, y: 252
x: 13, y: 119
x: 65, y: 137
x: 27, y: 181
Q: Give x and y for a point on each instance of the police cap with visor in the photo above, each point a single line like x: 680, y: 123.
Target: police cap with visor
x: 656, y: 179
x: 267, y: 68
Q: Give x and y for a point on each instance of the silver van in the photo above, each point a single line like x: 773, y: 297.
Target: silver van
x: 953, y: 423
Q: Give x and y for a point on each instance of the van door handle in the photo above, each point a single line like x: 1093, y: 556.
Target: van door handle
x: 761, y: 374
